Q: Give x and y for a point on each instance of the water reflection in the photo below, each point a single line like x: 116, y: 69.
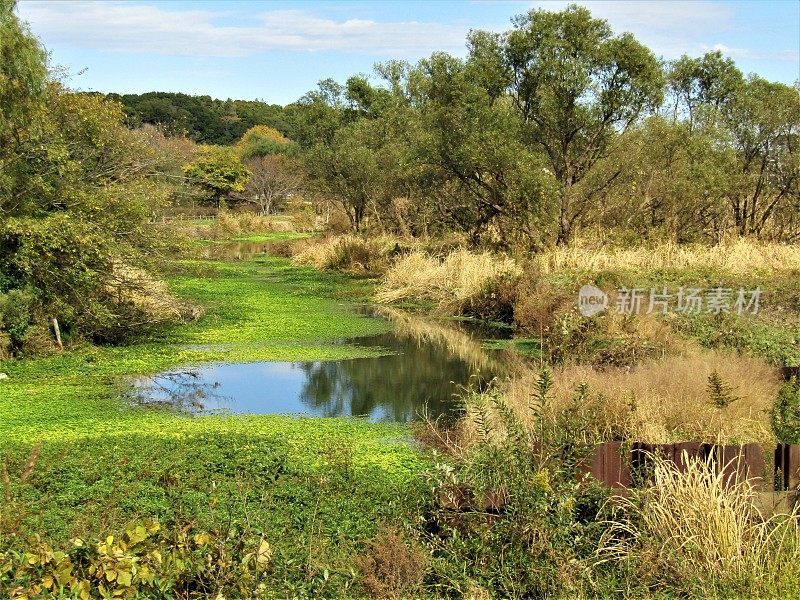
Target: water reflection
x: 233, y: 250
x: 428, y: 366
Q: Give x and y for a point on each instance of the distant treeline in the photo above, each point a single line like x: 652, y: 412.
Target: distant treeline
x: 201, y: 118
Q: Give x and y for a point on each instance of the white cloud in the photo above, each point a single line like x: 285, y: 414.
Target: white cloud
x: 745, y: 54
x: 127, y: 27
x: 669, y: 29
x: 674, y: 28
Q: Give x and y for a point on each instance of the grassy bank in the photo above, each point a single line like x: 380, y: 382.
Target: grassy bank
x: 76, y: 462
x: 259, y: 310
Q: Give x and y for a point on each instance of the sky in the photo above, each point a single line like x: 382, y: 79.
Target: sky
x: 277, y: 51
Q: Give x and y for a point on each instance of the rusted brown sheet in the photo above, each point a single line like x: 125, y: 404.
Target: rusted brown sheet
x: 787, y: 466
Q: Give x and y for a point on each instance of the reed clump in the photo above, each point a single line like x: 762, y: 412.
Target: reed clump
x: 742, y: 256
x: 704, y: 535
x: 452, y: 284
x: 667, y: 400
x: 348, y: 254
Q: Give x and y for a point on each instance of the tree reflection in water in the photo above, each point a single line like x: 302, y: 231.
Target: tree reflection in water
x: 427, y: 366
x: 181, y: 391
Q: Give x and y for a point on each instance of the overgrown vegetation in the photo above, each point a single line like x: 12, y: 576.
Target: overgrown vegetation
x: 553, y: 128
x: 477, y: 189
x: 76, y: 193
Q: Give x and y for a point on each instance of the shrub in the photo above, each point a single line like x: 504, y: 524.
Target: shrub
x: 508, y: 514
x: 538, y: 304
x: 67, y: 268
x: 495, y: 301
x: 393, y: 567
x: 720, y: 391
x: 785, y: 414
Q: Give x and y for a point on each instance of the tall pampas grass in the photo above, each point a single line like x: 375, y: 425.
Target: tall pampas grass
x: 704, y: 533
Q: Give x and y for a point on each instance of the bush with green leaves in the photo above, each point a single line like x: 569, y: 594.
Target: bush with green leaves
x: 16, y: 308
x: 785, y: 414
x: 145, y: 561
x: 77, y: 193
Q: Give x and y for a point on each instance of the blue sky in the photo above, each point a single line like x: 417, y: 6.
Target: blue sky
x: 276, y: 51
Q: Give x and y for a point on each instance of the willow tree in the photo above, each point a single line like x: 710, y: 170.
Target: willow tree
x: 23, y: 83
x: 576, y: 86
x: 757, y: 123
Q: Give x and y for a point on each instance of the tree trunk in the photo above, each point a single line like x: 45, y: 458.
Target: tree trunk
x: 564, y: 224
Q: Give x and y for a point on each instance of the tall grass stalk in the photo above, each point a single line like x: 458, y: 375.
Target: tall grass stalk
x: 740, y: 256
x: 450, y: 283
x: 690, y: 527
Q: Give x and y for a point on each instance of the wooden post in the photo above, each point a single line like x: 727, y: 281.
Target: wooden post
x: 57, y: 331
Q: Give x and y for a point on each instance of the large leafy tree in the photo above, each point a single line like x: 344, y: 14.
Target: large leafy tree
x: 576, y: 86
x: 274, y: 179
x: 218, y: 171
x: 261, y: 140
x: 764, y: 124
x: 470, y: 148
x: 756, y: 123
x: 697, y: 84
x: 347, y: 170
x: 23, y: 83
x: 673, y: 184
x: 76, y: 194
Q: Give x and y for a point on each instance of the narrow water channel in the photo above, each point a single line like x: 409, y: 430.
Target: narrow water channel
x: 427, y: 365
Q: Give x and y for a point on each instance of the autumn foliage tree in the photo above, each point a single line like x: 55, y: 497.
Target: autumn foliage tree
x: 264, y: 141
x: 218, y: 171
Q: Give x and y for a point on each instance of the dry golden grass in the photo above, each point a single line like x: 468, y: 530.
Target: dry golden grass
x: 690, y: 527
x: 152, y: 301
x: 666, y: 400
x: 740, y: 256
x: 227, y: 224
x: 347, y: 253
x: 449, y: 283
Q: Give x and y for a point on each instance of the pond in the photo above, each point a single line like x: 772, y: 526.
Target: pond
x: 427, y: 367
x: 234, y: 250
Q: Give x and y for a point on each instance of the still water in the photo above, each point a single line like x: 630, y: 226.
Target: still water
x: 428, y: 366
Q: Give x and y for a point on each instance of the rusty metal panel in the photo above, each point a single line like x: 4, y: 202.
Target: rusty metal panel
x: 780, y: 480
x: 665, y: 451
x: 740, y: 463
x: 592, y: 464
x: 687, y: 452
x: 787, y: 463
x: 756, y: 466
x: 729, y: 462
x: 792, y: 466
x: 641, y: 463
x: 617, y: 471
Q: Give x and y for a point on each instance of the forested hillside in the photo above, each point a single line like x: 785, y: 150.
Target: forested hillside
x: 200, y: 118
